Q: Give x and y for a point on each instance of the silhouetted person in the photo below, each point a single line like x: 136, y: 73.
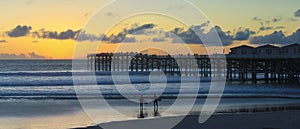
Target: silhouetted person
x: 141, y: 106
x: 155, y: 104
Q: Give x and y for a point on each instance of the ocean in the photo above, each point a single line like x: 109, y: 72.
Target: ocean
x: 48, y: 78
x: 42, y: 94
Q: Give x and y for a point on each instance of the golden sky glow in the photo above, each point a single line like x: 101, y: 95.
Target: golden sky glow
x: 61, y: 15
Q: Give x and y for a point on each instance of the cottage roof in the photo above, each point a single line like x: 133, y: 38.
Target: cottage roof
x: 243, y: 46
x: 267, y: 46
x: 292, y: 45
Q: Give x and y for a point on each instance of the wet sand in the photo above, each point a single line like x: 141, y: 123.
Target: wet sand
x: 62, y: 114
x: 258, y: 120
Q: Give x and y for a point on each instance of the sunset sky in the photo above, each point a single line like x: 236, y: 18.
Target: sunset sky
x: 28, y: 27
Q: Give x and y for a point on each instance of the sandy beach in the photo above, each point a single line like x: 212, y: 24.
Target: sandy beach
x: 258, y: 120
x: 66, y: 113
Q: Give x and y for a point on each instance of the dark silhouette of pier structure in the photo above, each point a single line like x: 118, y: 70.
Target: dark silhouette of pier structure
x: 251, y: 66
x: 137, y: 62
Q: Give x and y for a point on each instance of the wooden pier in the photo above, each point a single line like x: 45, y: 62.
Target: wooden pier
x: 254, y: 69
x: 269, y: 70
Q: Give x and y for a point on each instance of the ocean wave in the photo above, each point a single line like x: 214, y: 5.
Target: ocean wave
x: 67, y: 73
x: 42, y: 96
x: 62, y: 78
x: 60, y: 85
x: 51, y: 73
x: 171, y: 91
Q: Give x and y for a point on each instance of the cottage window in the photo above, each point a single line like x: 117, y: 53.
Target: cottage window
x: 268, y: 51
x: 244, y: 51
x: 258, y: 52
x: 233, y: 51
x: 281, y: 51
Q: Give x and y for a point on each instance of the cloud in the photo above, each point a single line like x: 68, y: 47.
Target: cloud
x: 297, y: 13
x: 269, y: 23
x: 139, y: 29
x: 119, y: 38
x: 150, y: 32
x: 190, y: 37
x: 268, y: 20
x: 12, y: 56
x: 19, y: 31
x: 68, y: 34
x: 129, y: 40
x: 3, y: 41
x: 80, y: 35
x: 293, y: 38
x: 32, y: 55
x: 225, y: 37
x: 277, y: 19
x: 83, y: 36
x: 264, y: 28
x: 257, y: 19
x: 126, y: 36
x: 277, y: 37
x: 243, y: 34
x: 177, y: 35
x: 159, y: 39
x: 279, y: 27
